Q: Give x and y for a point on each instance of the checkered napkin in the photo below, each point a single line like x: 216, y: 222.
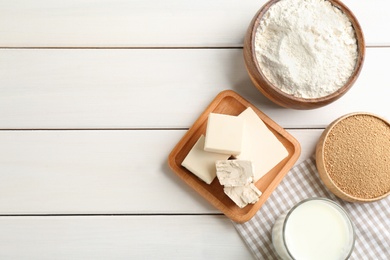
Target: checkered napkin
x: 371, y: 220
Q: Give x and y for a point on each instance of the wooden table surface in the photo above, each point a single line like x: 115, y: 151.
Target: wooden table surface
x: 95, y: 94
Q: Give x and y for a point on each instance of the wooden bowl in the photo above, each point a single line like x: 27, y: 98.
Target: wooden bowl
x: 275, y: 94
x: 350, y: 155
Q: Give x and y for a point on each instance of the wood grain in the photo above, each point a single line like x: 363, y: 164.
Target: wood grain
x: 120, y: 237
x: 100, y: 172
x: 115, y: 88
x: 153, y: 23
x: 71, y: 80
x: 230, y: 103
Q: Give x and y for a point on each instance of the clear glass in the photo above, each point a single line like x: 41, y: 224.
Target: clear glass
x: 315, y: 228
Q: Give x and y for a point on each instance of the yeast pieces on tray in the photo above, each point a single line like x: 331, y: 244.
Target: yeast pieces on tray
x: 230, y: 103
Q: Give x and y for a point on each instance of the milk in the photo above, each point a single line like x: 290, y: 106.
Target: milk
x: 314, y: 229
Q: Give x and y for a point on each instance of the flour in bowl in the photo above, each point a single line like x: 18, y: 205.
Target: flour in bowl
x: 306, y: 48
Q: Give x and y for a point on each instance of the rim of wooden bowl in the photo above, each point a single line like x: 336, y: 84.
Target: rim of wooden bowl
x: 320, y: 162
x: 278, y: 96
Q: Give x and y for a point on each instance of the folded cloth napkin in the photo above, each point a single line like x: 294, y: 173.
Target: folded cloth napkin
x: 371, y: 220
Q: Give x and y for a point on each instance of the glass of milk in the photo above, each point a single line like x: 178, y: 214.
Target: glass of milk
x: 315, y: 228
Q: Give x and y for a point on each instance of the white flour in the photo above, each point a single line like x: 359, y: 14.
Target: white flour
x: 306, y: 48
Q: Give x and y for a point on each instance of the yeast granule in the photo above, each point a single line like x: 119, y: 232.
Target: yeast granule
x: 357, y: 156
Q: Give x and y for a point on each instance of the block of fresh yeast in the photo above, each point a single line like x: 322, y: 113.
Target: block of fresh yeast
x: 233, y: 173
x: 237, y: 178
x: 260, y: 145
x: 224, y: 134
x: 243, y: 195
x: 202, y: 163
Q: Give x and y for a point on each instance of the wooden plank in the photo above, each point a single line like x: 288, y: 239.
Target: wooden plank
x: 153, y: 88
x: 120, y: 237
x: 105, y: 172
x: 370, y: 17
x: 175, y: 23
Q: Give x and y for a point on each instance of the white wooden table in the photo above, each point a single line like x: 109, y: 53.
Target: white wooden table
x: 95, y: 94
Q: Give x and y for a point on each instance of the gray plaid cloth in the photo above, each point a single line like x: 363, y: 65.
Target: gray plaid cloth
x: 371, y: 220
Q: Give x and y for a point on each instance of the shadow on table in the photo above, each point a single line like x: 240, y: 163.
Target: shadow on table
x: 242, y: 84
x: 186, y: 191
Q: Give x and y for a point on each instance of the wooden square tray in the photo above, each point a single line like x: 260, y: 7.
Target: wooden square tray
x: 230, y: 103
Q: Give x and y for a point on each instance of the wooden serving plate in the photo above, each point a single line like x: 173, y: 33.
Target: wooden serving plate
x: 230, y: 103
